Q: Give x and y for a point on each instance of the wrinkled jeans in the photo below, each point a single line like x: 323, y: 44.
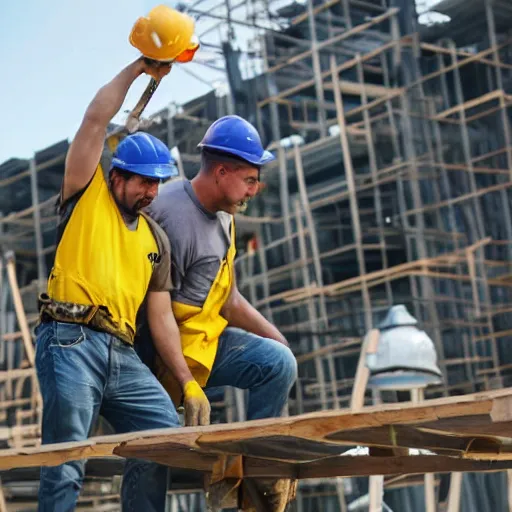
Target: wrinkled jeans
x: 83, y: 373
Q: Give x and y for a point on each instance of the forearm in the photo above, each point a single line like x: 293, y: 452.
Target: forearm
x: 110, y: 98
x: 166, y: 338
x: 240, y: 313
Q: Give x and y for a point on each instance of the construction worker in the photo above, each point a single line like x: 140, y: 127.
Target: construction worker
x: 109, y: 259
x: 225, y: 340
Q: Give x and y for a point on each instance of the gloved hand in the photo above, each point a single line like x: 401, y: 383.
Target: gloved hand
x: 197, y: 406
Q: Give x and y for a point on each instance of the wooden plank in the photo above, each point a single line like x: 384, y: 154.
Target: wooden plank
x: 467, y: 105
x: 367, y: 466
x: 405, y: 436
x: 312, y: 445
x: 357, y: 89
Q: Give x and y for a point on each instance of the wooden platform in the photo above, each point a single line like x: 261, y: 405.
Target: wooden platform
x: 468, y: 433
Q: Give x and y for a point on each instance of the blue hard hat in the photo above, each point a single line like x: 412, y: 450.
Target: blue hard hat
x: 143, y: 154
x: 236, y: 136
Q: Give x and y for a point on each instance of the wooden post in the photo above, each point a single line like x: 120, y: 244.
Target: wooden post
x: 369, y: 346
x: 454, y: 493
x: 3, y: 504
x: 18, y: 305
x: 509, y: 481
x: 417, y: 396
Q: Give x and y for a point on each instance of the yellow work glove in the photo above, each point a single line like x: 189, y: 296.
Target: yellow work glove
x: 197, y: 406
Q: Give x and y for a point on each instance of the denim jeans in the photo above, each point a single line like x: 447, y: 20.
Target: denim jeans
x: 83, y: 373
x: 263, y: 366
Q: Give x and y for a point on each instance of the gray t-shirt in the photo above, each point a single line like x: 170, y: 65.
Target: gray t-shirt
x: 199, y: 240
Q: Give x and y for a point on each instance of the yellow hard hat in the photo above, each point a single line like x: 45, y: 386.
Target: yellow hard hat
x: 165, y: 35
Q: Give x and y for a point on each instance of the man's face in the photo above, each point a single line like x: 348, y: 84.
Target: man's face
x: 237, y: 186
x: 134, y: 193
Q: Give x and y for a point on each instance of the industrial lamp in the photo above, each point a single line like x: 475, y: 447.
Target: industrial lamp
x: 405, y: 358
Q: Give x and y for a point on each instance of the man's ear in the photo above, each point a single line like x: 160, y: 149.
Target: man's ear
x: 219, y: 171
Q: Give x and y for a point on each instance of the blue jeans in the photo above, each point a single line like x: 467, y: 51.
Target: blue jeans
x: 82, y: 373
x: 265, y: 367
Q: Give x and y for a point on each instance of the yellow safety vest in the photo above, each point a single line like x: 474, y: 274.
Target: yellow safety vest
x: 200, y: 328
x: 99, y: 261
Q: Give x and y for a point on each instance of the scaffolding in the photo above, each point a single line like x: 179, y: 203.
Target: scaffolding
x: 391, y: 186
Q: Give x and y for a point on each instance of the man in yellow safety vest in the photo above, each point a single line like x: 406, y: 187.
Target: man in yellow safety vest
x: 109, y: 259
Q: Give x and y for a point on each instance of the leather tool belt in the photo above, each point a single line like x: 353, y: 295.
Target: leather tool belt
x: 94, y: 317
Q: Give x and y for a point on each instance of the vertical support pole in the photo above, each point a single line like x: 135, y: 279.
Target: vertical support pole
x: 368, y: 346
x: 426, y: 283
x: 340, y: 491
x: 41, y: 266
x: 346, y: 14
x: 454, y: 493
x: 323, y: 317
x: 3, y: 504
x: 170, y: 126
x: 179, y: 163
x: 20, y: 311
x: 372, y: 157
x: 491, y: 27
x: 272, y: 91
x: 2, y: 302
x: 376, y: 493
x: 417, y: 396
x: 319, y: 369
x: 509, y: 482
x: 317, y: 71
x: 354, y: 209
x: 284, y: 196
x: 505, y: 120
x: 466, y: 146
x: 264, y: 273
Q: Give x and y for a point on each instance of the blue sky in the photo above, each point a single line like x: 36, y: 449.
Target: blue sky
x: 56, y: 54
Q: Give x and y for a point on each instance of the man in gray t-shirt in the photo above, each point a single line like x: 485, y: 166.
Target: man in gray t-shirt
x: 200, y: 240
x: 225, y: 340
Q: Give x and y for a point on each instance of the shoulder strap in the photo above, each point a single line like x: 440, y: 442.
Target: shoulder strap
x: 162, y: 241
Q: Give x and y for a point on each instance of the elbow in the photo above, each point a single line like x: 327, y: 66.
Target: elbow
x: 226, y: 312
x: 230, y: 306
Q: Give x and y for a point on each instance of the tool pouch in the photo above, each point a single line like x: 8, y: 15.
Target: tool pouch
x: 94, y: 317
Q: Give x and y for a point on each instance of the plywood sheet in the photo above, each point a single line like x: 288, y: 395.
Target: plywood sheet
x: 469, y: 433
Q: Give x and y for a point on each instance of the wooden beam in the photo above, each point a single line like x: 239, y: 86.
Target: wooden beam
x: 371, y: 90
x: 493, y: 95
x: 313, y: 445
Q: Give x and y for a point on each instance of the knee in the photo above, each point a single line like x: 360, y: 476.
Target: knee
x: 286, y: 365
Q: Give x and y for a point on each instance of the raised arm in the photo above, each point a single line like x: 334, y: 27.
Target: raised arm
x: 85, y: 151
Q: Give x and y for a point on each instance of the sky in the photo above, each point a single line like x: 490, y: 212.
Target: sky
x: 55, y: 55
